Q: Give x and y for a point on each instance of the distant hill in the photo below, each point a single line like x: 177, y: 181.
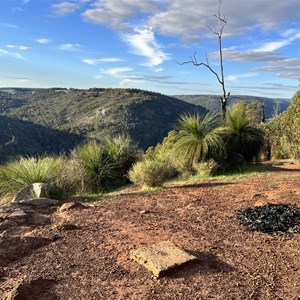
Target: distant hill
x: 273, y: 106
x: 57, y: 119
x: 71, y: 115
x: 24, y: 138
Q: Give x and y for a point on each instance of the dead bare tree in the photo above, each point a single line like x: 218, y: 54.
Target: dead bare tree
x: 220, y: 77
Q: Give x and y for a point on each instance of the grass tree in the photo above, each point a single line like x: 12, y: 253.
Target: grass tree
x: 200, y: 138
x: 243, y: 137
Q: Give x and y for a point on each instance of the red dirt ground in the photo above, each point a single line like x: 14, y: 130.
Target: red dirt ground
x: 90, y: 260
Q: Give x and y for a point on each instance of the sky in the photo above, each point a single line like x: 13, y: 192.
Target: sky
x: 143, y: 43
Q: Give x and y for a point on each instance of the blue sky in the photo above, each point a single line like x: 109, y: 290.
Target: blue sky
x: 138, y: 44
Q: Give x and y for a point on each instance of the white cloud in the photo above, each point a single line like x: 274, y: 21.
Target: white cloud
x: 272, y: 46
x: 114, y: 13
x: 23, y: 80
x: 95, y: 61
x: 43, y: 41
x: 9, y: 25
x: 192, y: 16
x: 117, y: 71
x: 287, y: 68
x: 69, y: 47
x: 10, y: 54
x: 162, y: 80
x: 143, y: 43
x: 64, y: 8
x: 23, y: 48
x: 236, y: 77
x: 233, y: 54
x: 187, y: 18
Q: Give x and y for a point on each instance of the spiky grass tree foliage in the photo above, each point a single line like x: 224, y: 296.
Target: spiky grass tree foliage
x: 94, y: 166
x: 123, y: 152
x: 242, y: 137
x: 200, y: 138
x: 24, y: 171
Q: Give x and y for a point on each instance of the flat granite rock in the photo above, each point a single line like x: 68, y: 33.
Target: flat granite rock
x: 161, y: 257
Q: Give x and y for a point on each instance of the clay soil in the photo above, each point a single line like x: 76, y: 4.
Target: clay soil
x: 89, y: 258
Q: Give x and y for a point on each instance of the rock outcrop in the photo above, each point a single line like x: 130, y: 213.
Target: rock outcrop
x: 35, y: 190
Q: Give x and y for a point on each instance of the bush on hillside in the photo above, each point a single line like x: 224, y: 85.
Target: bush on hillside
x: 207, y: 168
x: 283, y: 131
x: 151, y: 172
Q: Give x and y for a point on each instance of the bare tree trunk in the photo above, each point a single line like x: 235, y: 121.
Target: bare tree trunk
x: 221, y: 77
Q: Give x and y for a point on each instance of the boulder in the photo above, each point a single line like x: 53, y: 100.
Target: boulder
x: 35, y: 190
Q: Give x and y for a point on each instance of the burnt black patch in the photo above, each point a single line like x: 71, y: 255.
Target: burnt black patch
x: 271, y: 218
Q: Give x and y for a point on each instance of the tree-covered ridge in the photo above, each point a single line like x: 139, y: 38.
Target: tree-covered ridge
x: 145, y: 116
x: 272, y: 106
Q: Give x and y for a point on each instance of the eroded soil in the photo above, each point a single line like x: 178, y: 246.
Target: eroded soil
x: 88, y: 257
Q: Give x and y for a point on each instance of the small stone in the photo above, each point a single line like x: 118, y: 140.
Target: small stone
x: 71, y: 205
x: 161, y: 257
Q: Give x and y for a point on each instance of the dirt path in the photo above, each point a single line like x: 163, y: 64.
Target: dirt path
x: 90, y: 259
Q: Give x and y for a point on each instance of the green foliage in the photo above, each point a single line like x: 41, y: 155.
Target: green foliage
x: 283, y: 131
x: 151, y: 172
x: 241, y: 136
x: 95, y: 166
x: 123, y: 152
x: 24, y: 171
x: 199, y: 138
x: 254, y: 111
x: 207, y: 168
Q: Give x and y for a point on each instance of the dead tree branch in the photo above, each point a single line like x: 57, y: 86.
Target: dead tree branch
x: 220, y: 76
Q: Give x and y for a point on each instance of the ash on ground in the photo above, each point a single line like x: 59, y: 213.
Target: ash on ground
x: 271, y: 218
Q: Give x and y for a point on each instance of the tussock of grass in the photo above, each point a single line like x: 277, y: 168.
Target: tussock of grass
x: 24, y: 171
x: 151, y: 173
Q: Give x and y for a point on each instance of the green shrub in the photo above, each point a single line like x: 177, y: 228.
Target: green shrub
x: 24, y: 171
x: 207, y: 168
x: 94, y: 166
x: 151, y: 172
x: 283, y: 131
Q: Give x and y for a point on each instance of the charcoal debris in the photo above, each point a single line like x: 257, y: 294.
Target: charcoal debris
x: 271, y: 218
